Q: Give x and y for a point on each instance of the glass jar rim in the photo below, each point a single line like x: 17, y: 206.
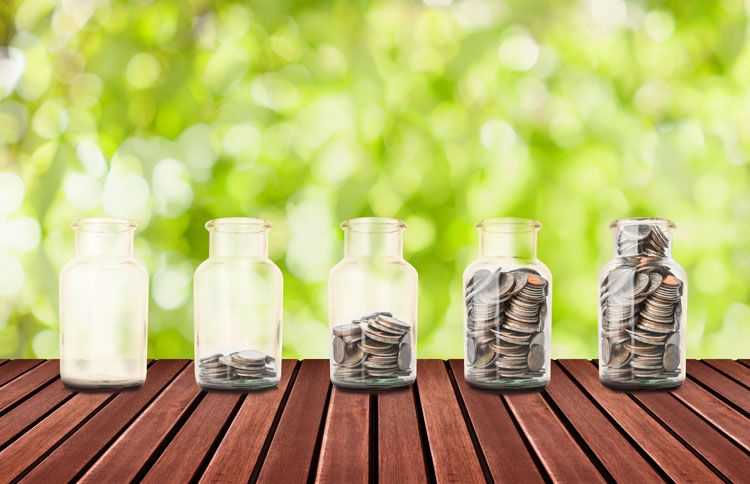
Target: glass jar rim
x: 104, y: 224
x: 653, y: 221
x: 373, y: 224
x: 239, y: 225
x: 509, y: 225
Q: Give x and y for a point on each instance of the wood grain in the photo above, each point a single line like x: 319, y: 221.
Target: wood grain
x: 14, y: 368
x: 730, y: 390
x: 28, y: 382
x: 736, y: 370
x: 400, y: 455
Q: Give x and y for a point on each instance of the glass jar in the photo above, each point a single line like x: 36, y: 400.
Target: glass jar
x: 642, y: 308
x: 103, y: 308
x: 372, y: 296
x: 238, y: 308
x: 507, y: 308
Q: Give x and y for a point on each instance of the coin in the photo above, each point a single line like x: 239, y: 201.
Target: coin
x: 404, y: 356
x: 535, y: 359
x: 237, y: 368
x: 471, y: 350
x: 338, y: 349
x: 671, y: 358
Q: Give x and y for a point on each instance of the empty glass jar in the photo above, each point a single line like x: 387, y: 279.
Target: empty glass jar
x: 372, y: 296
x: 642, y: 308
x: 238, y: 308
x: 103, y: 308
x: 507, y: 308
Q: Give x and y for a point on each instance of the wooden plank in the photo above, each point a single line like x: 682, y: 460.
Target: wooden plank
x: 72, y: 456
x: 183, y: 456
x: 400, y: 456
x: 561, y: 456
x: 715, y: 411
x: 291, y: 452
x: 715, y: 448
x: 3, y: 361
x: 744, y: 362
x: 729, y: 390
x: 614, y: 451
x: 734, y: 369
x: 451, y: 447
x: 15, y: 368
x: 497, y: 434
x: 30, y: 411
x: 674, y: 459
x: 27, y: 383
x: 344, y: 454
x: 32, y: 445
x: 238, y: 452
x: 130, y: 452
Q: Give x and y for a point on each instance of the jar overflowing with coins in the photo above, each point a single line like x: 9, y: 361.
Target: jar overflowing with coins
x: 372, y: 296
x: 238, y: 308
x: 642, y: 308
x: 103, y: 308
x: 507, y: 295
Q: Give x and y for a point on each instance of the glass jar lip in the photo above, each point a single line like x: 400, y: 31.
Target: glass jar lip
x: 246, y: 225
x: 509, y: 225
x: 373, y: 224
x: 652, y: 221
x: 104, y: 224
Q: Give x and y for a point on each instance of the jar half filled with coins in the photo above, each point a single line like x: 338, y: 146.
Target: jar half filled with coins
x: 372, y: 296
x: 642, y: 308
x: 507, y: 308
x: 238, y: 308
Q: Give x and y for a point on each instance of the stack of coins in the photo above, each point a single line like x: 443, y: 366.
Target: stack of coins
x: 376, y: 346
x: 641, y: 312
x: 236, y: 367
x: 506, y: 313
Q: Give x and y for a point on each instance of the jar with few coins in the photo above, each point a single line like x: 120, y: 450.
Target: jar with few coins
x: 642, y: 308
x: 372, y: 296
x: 507, y: 294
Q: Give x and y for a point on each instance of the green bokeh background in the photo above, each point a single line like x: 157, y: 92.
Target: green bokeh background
x: 439, y: 113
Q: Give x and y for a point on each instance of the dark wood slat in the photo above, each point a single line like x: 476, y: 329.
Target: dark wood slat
x: 714, y: 447
x: 715, y: 411
x: 745, y: 362
x: 674, y: 459
x: 181, y: 459
x: 344, y: 454
x: 32, y: 410
x: 32, y: 445
x: 400, y: 456
x: 3, y: 361
x: 128, y: 454
x: 561, y: 456
x: 27, y: 383
x: 728, y: 389
x: 14, y: 368
x: 291, y: 452
x: 238, y: 452
x: 451, y: 448
x: 734, y: 369
x: 497, y: 435
x: 613, y: 450
x: 72, y: 456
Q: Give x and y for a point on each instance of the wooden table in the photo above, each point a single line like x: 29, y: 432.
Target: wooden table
x: 441, y: 430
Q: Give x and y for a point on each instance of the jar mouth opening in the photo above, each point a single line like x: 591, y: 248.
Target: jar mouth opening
x: 373, y: 224
x: 509, y: 225
x: 649, y: 221
x: 244, y: 225
x: 104, y: 225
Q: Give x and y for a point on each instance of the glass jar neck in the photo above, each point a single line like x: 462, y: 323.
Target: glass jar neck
x: 238, y: 237
x: 373, y: 244
x: 647, y: 239
x: 104, y: 237
x: 515, y: 242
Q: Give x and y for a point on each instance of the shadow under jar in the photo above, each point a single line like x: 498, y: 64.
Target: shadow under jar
x: 238, y: 309
x: 372, y: 294
x: 103, y: 308
x: 642, y: 308
x: 507, y: 308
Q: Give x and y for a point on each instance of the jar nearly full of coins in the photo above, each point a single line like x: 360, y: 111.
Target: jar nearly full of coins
x: 103, y: 308
x: 238, y: 308
x: 642, y: 308
x: 507, y: 308
x: 372, y: 296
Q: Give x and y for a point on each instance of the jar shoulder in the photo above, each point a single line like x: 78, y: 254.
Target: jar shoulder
x: 87, y: 264
x: 348, y: 266
x: 507, y: 264
x: 238, y: 265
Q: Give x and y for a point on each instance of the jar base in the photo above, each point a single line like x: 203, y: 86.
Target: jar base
x: 642, y: 384
x: 374, y: 384
x: 512, y: 385
x: 103, y: 384
x: 241, y: 386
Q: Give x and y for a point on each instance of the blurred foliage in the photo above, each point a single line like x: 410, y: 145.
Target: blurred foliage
x: 441, y: 114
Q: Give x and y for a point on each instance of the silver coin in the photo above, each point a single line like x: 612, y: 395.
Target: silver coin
x: 404, y: 356
x: 471, y: 350
x: 339, y: 349
x: 536, y: 357
x: 671, y: 358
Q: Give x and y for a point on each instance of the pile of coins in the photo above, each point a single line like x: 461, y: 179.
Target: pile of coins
x: 506, y: 313
x: 374, y: 346
x: 641, y: 311
x: 237, y: 366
